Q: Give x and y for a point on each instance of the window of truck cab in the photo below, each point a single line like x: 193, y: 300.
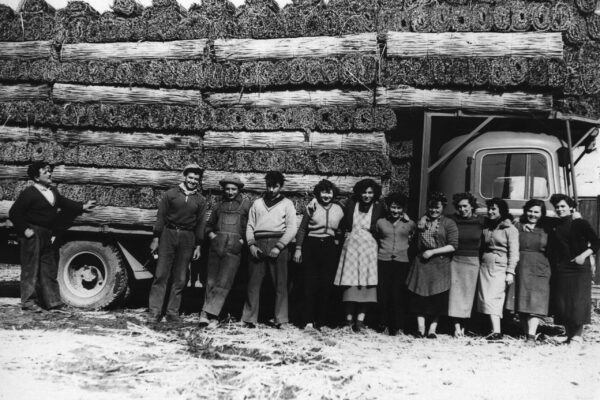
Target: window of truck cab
x: 512, y: 174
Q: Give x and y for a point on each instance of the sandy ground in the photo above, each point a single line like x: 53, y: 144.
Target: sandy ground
x: 100, y: 355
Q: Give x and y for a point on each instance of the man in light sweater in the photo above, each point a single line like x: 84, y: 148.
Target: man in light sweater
x: 271, y: 226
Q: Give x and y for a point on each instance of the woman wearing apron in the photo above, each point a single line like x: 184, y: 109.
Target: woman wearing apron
x: 429, y: 275
x: 498, y: 262
x: 530, y: 293
x: 357, y: 268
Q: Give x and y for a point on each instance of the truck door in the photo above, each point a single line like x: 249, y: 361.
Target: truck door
x: 515, y: 175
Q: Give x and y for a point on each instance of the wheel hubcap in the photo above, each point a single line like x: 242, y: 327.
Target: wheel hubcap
x: 85, y: 274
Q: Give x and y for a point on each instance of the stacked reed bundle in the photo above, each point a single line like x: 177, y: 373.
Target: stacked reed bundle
x: 353, y: 70
x: 117, y: 26
x: 38, y: 20
x: 593, y: 26
x: 583, y: 78
x: 10, y: 25
x: 259, y: 19
x: 15, y: 70
x: 163, y: 20
x: 160, y: 117
x: 497, y: 72
x: 213, y: 19
x: 586, y: 6
x: 585, y: 106
x: 73, y: 22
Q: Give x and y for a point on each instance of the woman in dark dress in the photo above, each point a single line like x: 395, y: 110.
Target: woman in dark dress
x: 530, y: 293
x: 429, y: 275
x: 573, y: 242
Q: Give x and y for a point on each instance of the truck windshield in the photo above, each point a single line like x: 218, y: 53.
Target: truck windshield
x: 514, y: 176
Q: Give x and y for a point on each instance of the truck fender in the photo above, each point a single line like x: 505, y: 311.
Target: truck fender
x: 140, y: 272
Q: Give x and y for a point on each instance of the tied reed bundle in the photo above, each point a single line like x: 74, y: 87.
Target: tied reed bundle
x: 73, y: 22
x: 10, y: 25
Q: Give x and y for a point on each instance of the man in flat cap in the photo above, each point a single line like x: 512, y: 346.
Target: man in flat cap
x: 178, y: 235
x: 226, y: 228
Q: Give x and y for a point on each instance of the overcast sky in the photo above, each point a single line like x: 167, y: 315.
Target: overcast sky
x: 104, y: 5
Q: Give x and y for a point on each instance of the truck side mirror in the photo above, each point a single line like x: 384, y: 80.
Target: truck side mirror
x: 563, y: 157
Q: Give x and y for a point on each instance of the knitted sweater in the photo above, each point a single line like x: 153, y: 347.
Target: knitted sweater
x: 32, y: 208
x: 394, y: 239
x: 323, y: 222
x: 503, y: 241
x: 276, y: 221
x: 186, y: 212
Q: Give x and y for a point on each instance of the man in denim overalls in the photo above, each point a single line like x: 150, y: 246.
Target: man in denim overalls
x: 225, y: 229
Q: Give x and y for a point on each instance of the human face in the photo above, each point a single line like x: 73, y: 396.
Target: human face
x: 396, y: 211
x: 434, y: 211
x: 326, y: 196
x: 464, y: 208
x: 493, y: 212
x: 45, y: 177
x: 273, y: 190
x: 191, y: 180
x: 562, y: 209
x: 368, y: 195
x: 230, y: 190
x: 534, y: 214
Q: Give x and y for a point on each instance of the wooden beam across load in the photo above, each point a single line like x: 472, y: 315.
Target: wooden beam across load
x: 29, y: 50
x: 295, y: 140
x: 124, y: 95
x: 24, y: 91
x: 102, y: 215
x: 475, y: 44
x: 433, y: 99
x: 142, y: 140
x: 293, y: 182
x: 293, y: 98
x: 137, y: 51
x: 277, y: 49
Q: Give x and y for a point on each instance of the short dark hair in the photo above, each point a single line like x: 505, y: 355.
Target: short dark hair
x: 558, y: 197
x: 325, y: 185
x: 33, y: 171
x: 396, y: 198
x: 458, y: 197
x: 532, y: 203
x: 435, y: 197
x: 361, y: 186
x: 273, y: 178
x: 502, y: 206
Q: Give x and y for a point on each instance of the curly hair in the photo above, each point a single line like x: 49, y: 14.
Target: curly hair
x: 436, y: 197
x: 502, y: 206
x: 325, y: 185
x: 273, y: 178
x: 458, y: 197
x: 532, y: 203
x: 396, y: 198
x: 33, y: 171
x: 558, y: 197
x: 361, y: 186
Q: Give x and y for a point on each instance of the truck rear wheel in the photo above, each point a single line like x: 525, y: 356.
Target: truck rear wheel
x: 91, y: 274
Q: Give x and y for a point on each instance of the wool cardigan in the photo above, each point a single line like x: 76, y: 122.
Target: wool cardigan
x: 378, y: 212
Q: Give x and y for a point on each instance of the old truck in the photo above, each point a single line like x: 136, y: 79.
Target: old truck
x: 491, y: 99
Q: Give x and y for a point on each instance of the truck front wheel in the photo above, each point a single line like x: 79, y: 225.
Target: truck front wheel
x: 91, y: 274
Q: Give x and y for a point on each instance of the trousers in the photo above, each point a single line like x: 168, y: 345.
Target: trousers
x: 39, y: 270
x: 278, y: 269
x: 319, y: 267
x: 175, y: 251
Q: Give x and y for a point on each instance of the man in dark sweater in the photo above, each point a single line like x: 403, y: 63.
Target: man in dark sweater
x: 34, y: 215
x: 178, y: 234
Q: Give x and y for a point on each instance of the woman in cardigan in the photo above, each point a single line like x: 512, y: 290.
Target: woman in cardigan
x: 317, y: 249
x: 464, y: 268
x: 357, y: 268
x: 498, y: 262
x: 429, y: 275
x: 573, y: 242
x: 530, y: 293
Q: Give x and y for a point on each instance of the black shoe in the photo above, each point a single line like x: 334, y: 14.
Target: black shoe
x: 173, y: 319
x: 249, y: 325
x: 61, y: 309
x: 419, y: 335
x: 392, y: 332
x: 494, y: 336
x: 33, y: 308
x: 358, y: 326
x: 432, y: 336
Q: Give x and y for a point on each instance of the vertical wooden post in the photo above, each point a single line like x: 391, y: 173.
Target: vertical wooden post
x: 425, y: 150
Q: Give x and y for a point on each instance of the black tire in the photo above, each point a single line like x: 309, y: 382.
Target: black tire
x: 91, y: 274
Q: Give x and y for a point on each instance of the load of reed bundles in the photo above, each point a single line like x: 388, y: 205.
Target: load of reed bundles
x: 38, y: 20
x: 10, y: 25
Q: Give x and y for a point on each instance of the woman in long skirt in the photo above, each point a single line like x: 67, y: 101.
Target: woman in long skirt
x: 498, y: 262
x: 573, y: 242
x: 464, y: 268
x: 530, y: 293
x: 357, y: 268
x: 429, y: 275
